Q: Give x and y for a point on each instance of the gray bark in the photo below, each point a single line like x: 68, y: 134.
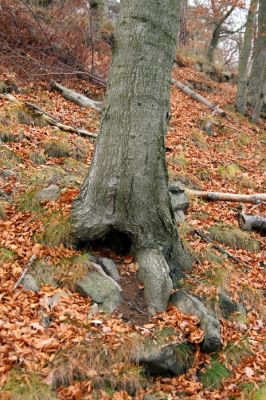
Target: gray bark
x: 241, y: 97
x: 261, y: 96
x: 259, y: 57
x: 252, y: 223
x: 126, y: 188
x: 216, y: 34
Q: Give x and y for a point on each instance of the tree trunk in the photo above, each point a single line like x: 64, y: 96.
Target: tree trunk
x: 125, y: 195
x: 259, y: 56
x: 214, y: 42
x: 183, y: 30
x: 241, y: 98
x: 261, y: 97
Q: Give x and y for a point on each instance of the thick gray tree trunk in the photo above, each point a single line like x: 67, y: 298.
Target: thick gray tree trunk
x: 259, y: 57
x: 241, y: 98
x: 125, y: 194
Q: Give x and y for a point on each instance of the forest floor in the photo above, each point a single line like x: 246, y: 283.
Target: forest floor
x: 40, y: 360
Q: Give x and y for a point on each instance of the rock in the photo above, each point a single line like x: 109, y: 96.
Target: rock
x: 57, y: 297
x: 50, y: 193
x: 102, y: 290
x: 208, y: 322
x: 30, y: 283
x: 166, y: 360
x: 93, y: 310
x: 229, y: 306
x: 8, y: 173
x: 109, y: 267
x: 179, y: 200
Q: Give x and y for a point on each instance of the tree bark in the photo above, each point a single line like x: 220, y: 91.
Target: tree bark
x: 252, y: 223
x: 241, y: 97
x: 217, y: 33
x: 259, y: 56
x: 125, y: 194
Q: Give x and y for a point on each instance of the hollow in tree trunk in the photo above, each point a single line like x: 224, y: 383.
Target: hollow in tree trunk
x: 124, y: 196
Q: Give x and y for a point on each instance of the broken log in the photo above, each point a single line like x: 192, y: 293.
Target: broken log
x: 216, y: 109
x: 236, y: 197
x: 252, y: 223
x: 50, y: 119
x: 76, y: 97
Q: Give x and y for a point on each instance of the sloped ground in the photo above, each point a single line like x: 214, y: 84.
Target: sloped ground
x: 37, y: 336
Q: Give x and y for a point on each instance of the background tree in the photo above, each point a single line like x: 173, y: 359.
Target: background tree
x: 125, y: 196
x: 257, y: 76
x: 241, y: 99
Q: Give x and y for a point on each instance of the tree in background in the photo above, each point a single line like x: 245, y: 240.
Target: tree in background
x: 257, y: 81
x: 241, y: 98
x: 125, y: 198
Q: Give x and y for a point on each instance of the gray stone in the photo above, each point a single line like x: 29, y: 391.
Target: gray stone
x: 179, y: 200
x: 50, y: 193
x: 93, y: 310
x: 102, y: 290
x: 109, y: 267
x: 228, y: 306
x: 57, y: 297
x: 208, y: 322
x: 8, y: 173
x: 30, y: 283
x: 166, y: 360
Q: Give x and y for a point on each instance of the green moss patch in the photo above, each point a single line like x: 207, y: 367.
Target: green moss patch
x: 234, y: 237
x: 22, y: 385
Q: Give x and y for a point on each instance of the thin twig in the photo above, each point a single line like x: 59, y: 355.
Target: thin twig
x: 138, y: 309
x: 26, y: 269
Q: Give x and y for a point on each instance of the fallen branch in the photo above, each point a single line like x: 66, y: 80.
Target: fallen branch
x: 207, y: 239
x: 218, y: 196
x: 50, y: 119
x: 76, y: 97
x: 198, y: 97
x: 252, y: 223
x: 26, y: 269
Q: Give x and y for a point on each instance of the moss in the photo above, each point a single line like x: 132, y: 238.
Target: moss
x: 57, y: 230
x: 8, y: 158
x: 46, y: 175
x: 37, y: 158
x: 203, y: 174
x: 229, y: 172
x: 71, y: 270
x: 244, y: 139
x: 236, y: 352
x: 254, y: 391
x: 214, y: 375
x: 57, y: 149
x: 27, y: 201
x: 233, y: 237
x: 22, y: 385
x: 7, y: 136
x: 105, y: 367
x: 199, y: 139
x: 6, y: 255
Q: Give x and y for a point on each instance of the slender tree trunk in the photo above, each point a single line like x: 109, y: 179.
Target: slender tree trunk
x: 259, y: 56
x: 214, y: 43
x: 241, y: 98
x: 125, y: 195
x: 183, y: 31
x: 261, y: 97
